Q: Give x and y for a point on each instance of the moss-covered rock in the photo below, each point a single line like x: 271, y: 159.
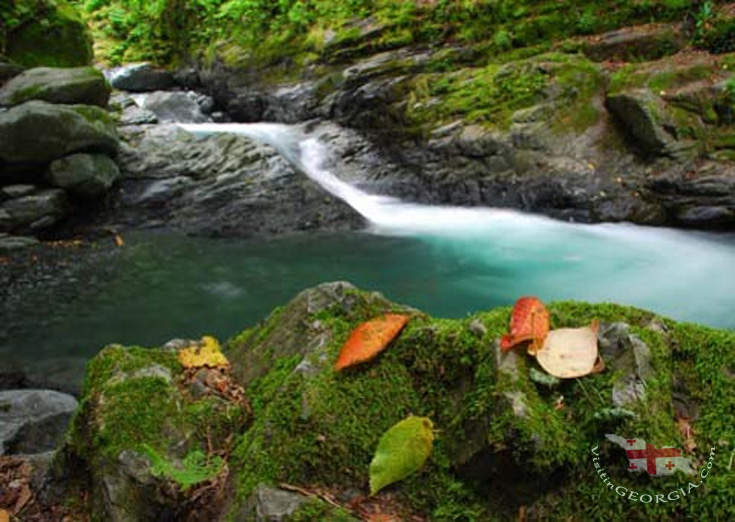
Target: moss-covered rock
x: 78, y: 85
x: 507, y: 437
x: 153, y: 434
x: 47, y: 33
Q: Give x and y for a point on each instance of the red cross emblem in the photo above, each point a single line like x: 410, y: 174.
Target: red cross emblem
x: 670, y: 465
x: 651, y: 454
x: 633, y: 466
x: 631, y: 441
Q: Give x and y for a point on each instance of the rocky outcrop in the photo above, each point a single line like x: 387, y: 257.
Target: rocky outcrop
x: 153, y: 439
x: 555, y: 133
x: 82, y: 85
x: 36, y: 133
x: 222, y: 185
x: 176, y: 106
x: 36, y: 211
x: 140, y: 77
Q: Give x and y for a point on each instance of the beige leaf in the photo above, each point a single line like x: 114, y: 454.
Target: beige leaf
x: 569, y: 352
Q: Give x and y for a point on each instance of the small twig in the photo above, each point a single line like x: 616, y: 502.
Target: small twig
x: 307, y: 493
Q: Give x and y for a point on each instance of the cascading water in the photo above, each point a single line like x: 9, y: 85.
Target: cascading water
x: 682, y: 274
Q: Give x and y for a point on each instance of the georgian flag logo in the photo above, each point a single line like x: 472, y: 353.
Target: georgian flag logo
x: 657, y: 462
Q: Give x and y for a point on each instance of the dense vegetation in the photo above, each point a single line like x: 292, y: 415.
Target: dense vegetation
x: 166, y: 29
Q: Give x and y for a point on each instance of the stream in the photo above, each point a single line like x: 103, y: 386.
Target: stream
x: 447, y: 261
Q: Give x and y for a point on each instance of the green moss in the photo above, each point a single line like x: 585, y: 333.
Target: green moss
x: 48, y: 34
x: 316, y: 427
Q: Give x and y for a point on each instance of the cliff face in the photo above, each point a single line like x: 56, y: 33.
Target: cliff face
x: 154, y: 439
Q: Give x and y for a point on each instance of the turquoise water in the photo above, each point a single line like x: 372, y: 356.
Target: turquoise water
x: 447, y: 261
x: 163, y: 286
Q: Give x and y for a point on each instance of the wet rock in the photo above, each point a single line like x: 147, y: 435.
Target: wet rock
x: 222, y: 185
x: 38, y: 210
x: 268, y: 504
x: 71, y: 86
x: 134, y: 115
x: 33, y: 421
x: 140, y: 77
x: 178, y: 107
x: 57, y: 131
x: 86, y: 176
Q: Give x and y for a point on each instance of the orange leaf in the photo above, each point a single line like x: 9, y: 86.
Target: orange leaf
x: 369, y: 339
x: 529, y: 322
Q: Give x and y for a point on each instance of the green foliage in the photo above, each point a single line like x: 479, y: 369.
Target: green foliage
x: 163, y: 29
x: 195, y: 468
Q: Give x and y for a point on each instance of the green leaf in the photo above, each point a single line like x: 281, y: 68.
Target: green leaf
x: 402, y: 450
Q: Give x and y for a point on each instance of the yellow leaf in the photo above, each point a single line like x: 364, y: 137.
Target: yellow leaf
x: 4, y: 516
x: 203, y: 353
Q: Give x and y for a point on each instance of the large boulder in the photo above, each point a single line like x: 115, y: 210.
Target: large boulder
x: 38, y: 132
x: 221, y: 185
x: 37, y: 211
x: 80, y: 85
x: 33, y: 421
x: 152, y: 434
x: 86, y: 176
x: 140, y: 77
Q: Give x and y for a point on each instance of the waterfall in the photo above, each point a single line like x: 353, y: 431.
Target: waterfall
x: 677, y: 272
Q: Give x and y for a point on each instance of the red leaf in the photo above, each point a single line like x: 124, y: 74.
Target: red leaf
x: 529, y: 322
x: 369, y: 339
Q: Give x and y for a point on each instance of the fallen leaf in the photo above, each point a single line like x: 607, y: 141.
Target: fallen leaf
x: 369, y: 339
x: 203, y: 353
x: 529, y: 322
x: 402, y: 451
x: 119, y: 240
x: 570, y: 352
x: 4, y: 516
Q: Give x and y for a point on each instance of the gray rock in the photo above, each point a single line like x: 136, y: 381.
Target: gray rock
x: 83, y: 175
x: 14, y: 243
x: 221, y: 185
x: 269, y: 504
x: 17, y: 191
x: 38, y: 132
x: 177, y: 107
x: 140, y: 77
x: 642, y: 115
x: 62, y: 374
x: 33, y: 421
x: 80, y: 85
x: 137, y: 116
x: 38, y: 210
